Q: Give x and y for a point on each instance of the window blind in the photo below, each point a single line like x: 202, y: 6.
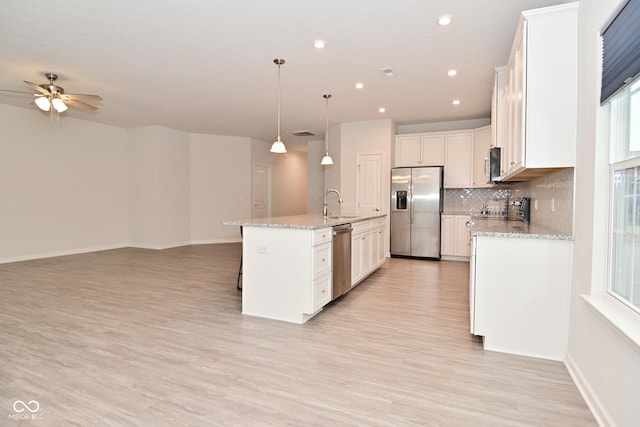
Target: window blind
x: 620, y: 50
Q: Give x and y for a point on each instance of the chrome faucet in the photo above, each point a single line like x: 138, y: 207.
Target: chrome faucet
x: 325, y: 212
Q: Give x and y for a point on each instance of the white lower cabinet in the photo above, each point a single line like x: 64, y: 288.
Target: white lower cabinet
x: 360, y: 251
x: 377, y: 243
x: 455, y: 236
x: 367, y: 248
x: 519, y: 295
x: 287, y: 273
x: 321, y: 286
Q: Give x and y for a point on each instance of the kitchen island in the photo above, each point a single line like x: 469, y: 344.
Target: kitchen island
x: 287, y: 262
x: 520, y: 278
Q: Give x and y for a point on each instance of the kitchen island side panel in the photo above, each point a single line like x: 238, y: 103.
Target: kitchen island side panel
x: 276, y: 272
x: 522, y: 295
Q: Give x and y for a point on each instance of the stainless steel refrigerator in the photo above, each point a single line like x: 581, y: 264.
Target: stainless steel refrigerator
x: 416, y: 204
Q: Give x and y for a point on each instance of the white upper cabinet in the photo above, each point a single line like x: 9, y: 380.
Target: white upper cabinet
x: 536, y: 104
x: 481, y: 146
x: 461, y: 152
x: 420, y: 150
x: 458, y: 160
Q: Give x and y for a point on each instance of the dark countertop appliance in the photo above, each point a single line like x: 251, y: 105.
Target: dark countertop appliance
x: 520, y: 209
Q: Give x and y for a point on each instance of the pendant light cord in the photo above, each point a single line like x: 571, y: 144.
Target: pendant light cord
x: 279, y: 62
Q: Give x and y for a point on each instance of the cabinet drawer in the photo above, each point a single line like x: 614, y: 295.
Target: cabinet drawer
x: 377, y: 223
x: 321, y: 293
x: 321, y: 235
x: 321, y: 259
x: 361, y: 226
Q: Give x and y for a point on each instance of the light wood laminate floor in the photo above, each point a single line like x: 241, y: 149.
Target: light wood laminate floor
x: 134, y: 337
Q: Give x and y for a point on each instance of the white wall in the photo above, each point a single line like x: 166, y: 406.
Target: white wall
x: 604, y: 364
x: 289, y: 184
x: 315, y: 177
x: 159, y: 187
x: 366, y: 137
x: 220, y: 186
x: 63, y: 185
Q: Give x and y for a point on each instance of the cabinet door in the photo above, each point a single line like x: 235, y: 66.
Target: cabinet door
x: 365, y: 253
x: 519, y: 101
x: 408, y: 150
x: 378, y: 244
x: 462, y: 235
x: 448, y: 230
x: 481, y: 146
x: 458, y: 160
x: 432, y: 150
x: 356, y: 256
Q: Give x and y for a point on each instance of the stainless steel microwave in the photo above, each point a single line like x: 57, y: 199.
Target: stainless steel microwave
x: 494, y: 165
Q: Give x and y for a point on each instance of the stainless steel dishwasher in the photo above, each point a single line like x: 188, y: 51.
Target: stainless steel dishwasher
x: 341, y: 259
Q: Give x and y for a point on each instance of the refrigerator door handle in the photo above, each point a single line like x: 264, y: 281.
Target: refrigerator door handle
x: 410, y: 205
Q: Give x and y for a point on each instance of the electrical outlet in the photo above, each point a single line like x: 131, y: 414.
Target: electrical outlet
x: 553, y: 204
x: 263, y: 249
x: 535, y: 204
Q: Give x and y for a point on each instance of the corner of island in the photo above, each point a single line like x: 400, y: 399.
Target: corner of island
x: 288, y: 261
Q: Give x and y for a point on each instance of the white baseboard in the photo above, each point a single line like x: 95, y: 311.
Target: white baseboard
x: 597, y: 409
x: 158, y: 247
x: 62, y: 253
x: 454, y: 258
x: 114, y: 246
x: 215, y: 241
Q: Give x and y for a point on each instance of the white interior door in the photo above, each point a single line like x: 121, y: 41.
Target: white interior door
x: 369, y: 184
x: 261, y: 193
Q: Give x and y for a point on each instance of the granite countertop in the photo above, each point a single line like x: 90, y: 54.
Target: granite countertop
x: 513, y: 228
x: 304, y: 222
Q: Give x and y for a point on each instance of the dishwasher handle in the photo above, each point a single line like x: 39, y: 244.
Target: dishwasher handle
x: 341, y: 229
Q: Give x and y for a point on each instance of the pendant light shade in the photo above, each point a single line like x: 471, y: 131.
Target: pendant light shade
x: 278, y: 145
x: 326, y: 160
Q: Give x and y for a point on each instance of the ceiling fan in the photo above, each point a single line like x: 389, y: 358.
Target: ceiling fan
x: 50, y: 96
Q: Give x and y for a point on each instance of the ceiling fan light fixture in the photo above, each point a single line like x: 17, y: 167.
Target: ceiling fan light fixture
x: 59, y: 105
x: 278, y: 145
x: 43, y: 103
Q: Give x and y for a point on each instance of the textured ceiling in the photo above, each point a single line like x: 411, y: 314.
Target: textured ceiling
x: 206, y: 66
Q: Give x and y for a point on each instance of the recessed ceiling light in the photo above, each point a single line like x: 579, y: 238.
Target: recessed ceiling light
x: 451, y: 73
x: 456, y: 102
x: 381, y: 110
x: 318, y: 44
x: 359, y: 85
x: 444, y: 20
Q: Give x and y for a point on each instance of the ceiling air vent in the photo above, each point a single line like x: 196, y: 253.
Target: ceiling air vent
x: 300, y: 133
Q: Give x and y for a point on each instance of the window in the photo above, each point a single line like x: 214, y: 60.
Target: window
x: 624, y: 281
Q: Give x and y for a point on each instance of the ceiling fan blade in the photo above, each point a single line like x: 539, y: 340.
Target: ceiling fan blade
x: 81, y: 97
x: 79, y: 104
x: 37, y: 88
x: 17, y: 92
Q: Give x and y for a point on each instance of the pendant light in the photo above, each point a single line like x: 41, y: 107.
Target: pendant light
x: 326, y: 160
x: 278, y: 145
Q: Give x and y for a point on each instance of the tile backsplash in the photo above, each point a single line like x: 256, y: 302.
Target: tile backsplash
x: 553, y: 195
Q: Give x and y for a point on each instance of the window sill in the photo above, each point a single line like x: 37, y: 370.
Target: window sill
x: 622, y: 319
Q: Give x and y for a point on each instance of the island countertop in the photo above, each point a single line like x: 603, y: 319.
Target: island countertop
x: 510, y: 228
x: 304, y: 222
